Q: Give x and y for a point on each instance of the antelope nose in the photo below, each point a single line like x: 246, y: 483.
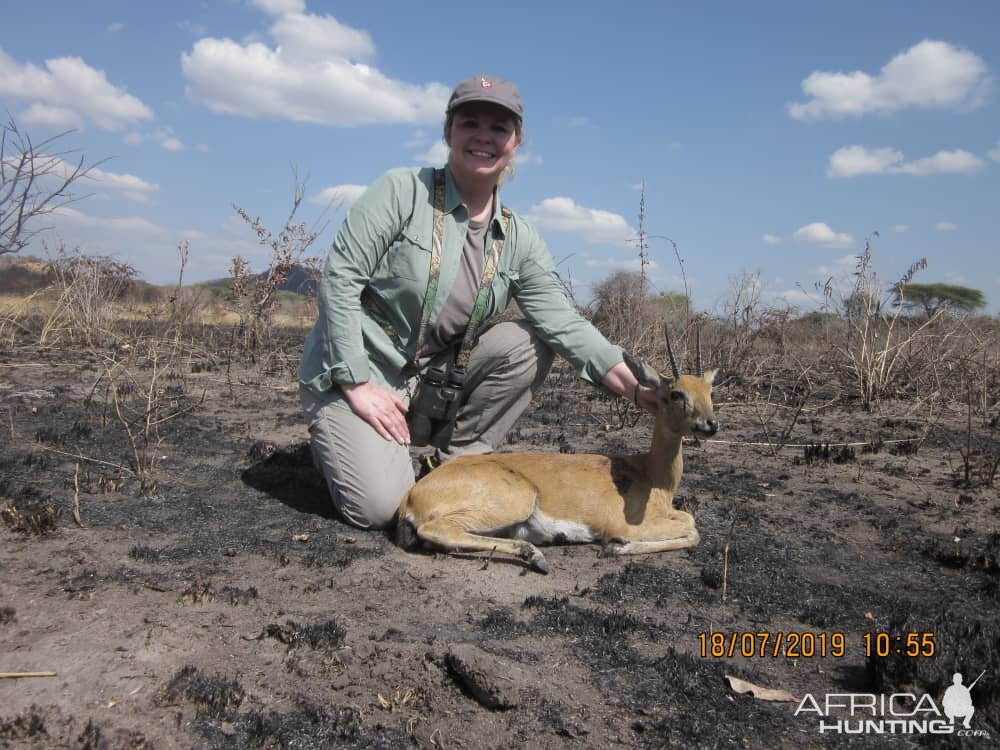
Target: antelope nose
x: 711, y: 426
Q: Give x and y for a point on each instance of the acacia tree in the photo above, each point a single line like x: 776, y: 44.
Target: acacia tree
x: 932, y: 298
x: 35, y: 180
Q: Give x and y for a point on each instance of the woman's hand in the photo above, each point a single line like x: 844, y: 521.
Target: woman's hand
x: 382, y: 409
x: 619, y: 379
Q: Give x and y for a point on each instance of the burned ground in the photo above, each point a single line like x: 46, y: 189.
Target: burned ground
x: 216, y: 600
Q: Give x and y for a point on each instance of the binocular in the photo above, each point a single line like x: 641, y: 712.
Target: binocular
x: 431, y: 418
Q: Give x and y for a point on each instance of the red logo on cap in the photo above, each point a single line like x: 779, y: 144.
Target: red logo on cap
x: 485, y: 84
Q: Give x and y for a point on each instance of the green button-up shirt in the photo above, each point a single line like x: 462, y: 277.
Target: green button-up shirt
x: 384, y: 245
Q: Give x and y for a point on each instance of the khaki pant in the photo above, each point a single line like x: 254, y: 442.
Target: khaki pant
x: 368, y: 475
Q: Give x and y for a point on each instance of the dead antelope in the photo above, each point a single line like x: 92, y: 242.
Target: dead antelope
x: 509, y: 502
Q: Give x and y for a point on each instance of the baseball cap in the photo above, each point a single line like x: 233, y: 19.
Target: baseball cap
x: 484, y: 88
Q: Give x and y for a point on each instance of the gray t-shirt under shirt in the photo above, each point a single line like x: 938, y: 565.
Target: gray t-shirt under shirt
x: 454, y: 319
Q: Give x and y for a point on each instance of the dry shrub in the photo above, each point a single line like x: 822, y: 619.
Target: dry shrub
x: 880, y: 344
x: 628, y: 314
x: 255, y: 297
x: 748, y: 332
x: 88, y: 287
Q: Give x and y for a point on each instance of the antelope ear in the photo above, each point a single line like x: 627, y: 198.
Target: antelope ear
x: 645, y: 374
x: 710, y: 376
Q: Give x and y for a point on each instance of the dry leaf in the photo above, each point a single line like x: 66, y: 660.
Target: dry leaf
x: 760, y: 693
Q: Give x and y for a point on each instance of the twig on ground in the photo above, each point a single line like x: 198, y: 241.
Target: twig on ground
x: 725, y: 558
x: 76, y: 495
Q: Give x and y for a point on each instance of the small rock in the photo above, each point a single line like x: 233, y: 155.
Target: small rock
x: 496, y: 683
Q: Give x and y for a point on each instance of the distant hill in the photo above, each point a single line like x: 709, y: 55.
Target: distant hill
x: 21, y: 275
x: 298, y: 282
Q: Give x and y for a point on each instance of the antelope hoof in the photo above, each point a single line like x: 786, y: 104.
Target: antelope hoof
x: 533, y: 556
x: 612, y: 549
x: 538, y: 563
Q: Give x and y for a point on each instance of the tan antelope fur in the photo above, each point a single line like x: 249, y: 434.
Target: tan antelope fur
x: 508, y: 502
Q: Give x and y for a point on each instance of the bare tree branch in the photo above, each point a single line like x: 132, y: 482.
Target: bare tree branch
x: 34, y: 181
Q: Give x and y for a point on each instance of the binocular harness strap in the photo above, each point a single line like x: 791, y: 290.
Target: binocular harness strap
x: 482, y: 296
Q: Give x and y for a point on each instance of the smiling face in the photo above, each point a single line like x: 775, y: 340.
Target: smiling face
x: 483, y: 138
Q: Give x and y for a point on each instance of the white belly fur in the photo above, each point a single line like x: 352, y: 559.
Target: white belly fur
x: 541, y: 529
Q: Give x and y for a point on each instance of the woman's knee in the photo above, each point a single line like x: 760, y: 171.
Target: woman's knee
x: 371, y: 511
x: 366, y: 476
x: 517, y: 349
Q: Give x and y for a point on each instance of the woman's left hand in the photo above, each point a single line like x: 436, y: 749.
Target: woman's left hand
x: 619, y: 379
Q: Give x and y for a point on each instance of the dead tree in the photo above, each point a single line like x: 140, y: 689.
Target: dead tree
x: 35, y: 180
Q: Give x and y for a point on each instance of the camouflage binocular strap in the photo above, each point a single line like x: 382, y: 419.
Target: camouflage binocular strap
x: 483, y: 295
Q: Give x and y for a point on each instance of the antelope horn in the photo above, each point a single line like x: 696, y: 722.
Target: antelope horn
x: 698, y: 366
x: 670, y: 353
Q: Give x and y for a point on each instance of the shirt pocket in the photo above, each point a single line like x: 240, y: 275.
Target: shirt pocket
x: 504, y: 285
x: 410, y: 257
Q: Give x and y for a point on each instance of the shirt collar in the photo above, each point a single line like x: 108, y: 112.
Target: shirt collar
x: 452, y: 200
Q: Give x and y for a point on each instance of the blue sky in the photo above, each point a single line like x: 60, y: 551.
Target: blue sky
x: 772, y: 137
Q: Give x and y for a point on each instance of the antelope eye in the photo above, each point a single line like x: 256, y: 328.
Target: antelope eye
x: 676, y: 395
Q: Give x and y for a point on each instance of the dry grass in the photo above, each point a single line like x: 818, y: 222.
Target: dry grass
x: 45, y: 303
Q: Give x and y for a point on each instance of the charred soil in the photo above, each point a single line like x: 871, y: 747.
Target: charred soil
x: 190, y: 586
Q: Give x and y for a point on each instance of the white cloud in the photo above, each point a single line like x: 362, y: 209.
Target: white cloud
x: 994, y: 154
x: 930, y: 74
x: 795, y: 298
x: 525, y: 158
x: 339, y: 196
x: 562, y: 214
x: 278, y: 7
x: 839, y: 268
x: 50, y: 116
x: 771, y: 239
x: 115, y: 27
x: 852, y: 161
x: 900, y: 227
x: 61, y: 169
x: 69, y: 83
x: 945, y: 226
x: 315, y: 73
x: 820, y: 233
x: 121, y: 181
x: 163, y: 136
x: 626, y: 264
x: 126, y: 224
x: 309, y: 38
x: 944, y: 162
x: 435, y: 155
